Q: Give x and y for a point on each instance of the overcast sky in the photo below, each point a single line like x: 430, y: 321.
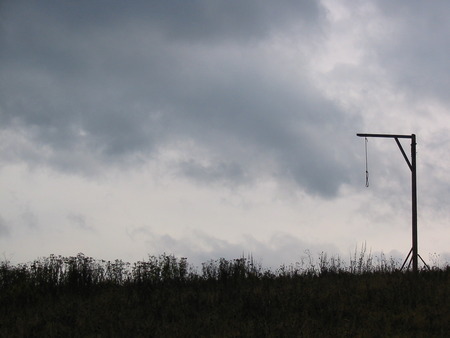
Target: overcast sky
x: 212, y: 128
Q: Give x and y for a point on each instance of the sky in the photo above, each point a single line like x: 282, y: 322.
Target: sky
x: 213, y: 128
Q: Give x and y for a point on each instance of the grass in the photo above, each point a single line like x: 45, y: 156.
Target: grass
x: 165, y: 296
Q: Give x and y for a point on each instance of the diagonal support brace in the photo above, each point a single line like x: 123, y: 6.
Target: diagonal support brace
x: 404, y: 154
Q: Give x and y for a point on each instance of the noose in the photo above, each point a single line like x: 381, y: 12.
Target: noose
x: 367, y: 164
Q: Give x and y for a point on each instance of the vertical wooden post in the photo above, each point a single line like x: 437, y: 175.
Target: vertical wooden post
x: 415, y: 249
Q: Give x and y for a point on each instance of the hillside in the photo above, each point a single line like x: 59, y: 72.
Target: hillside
x: 166, y: 297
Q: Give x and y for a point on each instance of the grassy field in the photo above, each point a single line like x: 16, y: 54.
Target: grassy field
x: 167, y: 297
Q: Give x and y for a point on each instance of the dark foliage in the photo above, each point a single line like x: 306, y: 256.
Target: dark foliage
x: 166, y: 297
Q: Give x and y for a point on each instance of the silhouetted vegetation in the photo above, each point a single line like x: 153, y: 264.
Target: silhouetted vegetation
x: 167, y: 297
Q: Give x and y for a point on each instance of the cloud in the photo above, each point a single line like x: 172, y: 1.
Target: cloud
x: 4, y: 229
x: 79, y: 221
x: 198, y: 20
x: 105, y: 91
x: 414, y: 48
x: 200, y: 247
x: 221, y: 100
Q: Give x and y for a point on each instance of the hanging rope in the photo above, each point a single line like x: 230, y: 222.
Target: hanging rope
x: 367, y: 164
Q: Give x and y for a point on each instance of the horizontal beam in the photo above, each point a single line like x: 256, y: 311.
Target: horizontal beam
x: 385, y: 135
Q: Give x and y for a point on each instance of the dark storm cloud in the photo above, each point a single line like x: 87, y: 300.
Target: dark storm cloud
x: 108, y: 82
x: 186, y: 20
